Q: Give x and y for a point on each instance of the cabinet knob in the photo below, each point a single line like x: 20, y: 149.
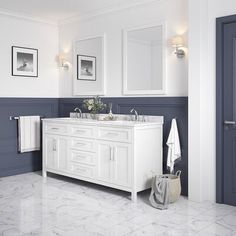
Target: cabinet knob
x: 80, y: 144
x: 112, y: 134
x: 80, y: 131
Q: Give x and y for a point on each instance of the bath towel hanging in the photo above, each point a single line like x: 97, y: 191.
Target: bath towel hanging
x: 173, y: 143
x: 28, y: 133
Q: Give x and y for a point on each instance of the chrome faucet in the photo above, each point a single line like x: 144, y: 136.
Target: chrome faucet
x: 135, y: 114
x: 78, y: 110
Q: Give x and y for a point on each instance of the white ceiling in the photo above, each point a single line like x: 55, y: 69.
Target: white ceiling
x: 59, y: 10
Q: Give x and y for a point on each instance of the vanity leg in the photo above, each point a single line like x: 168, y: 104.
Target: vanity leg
x: 44, y: 174
x: 134, y: 196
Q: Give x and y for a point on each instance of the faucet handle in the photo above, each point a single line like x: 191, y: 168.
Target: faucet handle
x: 135, y: 113
x: 78, y: 110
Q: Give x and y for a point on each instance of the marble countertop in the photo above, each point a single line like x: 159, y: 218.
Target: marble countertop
x: 120, y: 120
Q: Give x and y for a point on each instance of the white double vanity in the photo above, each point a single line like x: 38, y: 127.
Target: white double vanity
x: 120, y: 154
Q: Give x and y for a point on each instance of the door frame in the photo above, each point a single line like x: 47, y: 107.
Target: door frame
x: 220, y: 22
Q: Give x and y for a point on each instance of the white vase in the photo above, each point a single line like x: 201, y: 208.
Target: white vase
x: 94, y: 116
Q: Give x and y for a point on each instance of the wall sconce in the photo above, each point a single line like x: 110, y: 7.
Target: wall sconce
x: 63, y: 62
x: 178, y: 42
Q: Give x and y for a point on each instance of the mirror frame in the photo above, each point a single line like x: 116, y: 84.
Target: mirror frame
x: 126, y: 91
x: 103, y: 79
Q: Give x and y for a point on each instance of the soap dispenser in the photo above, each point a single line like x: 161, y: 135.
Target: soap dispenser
x: 110, y: 114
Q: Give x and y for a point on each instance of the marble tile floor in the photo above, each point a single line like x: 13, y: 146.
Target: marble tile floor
x: 62, y: 206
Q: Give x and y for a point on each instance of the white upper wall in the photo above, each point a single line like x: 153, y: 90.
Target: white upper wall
x: 27, y: 33
x: 112, y: 24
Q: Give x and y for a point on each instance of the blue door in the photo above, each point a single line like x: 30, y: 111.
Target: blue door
x: 226, y: 109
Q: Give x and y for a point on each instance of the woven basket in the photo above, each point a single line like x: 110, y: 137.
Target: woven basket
x: 174, y: 186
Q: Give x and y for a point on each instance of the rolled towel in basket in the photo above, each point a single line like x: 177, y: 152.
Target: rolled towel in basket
x: 165, y: 189
x: 159, y: 197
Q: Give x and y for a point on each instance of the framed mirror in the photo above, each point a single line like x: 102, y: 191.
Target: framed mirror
x: 89, y: 62
x: 144, y: 63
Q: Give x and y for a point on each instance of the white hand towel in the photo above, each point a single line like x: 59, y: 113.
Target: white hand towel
x: 174, y: 151
x: 28, y: 133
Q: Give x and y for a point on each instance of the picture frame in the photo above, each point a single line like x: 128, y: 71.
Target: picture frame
x: 86, y: 68
x: 24, y: 61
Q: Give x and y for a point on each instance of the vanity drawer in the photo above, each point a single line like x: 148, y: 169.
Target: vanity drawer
x: 83, y: 170
x: 83, y: 131
x: 56, y: 129
x: 82, y: 157
x: 113, y: 134
x: 83, y: 144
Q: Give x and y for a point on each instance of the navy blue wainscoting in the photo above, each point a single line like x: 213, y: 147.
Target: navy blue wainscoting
x: 12, y: 162
x: 169, y: 107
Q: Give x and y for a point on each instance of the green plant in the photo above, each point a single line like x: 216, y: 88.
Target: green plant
x: 94, y: 105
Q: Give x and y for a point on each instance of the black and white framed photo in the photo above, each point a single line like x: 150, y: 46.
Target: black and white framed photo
x: 24, y: 61
x: 86, y: 68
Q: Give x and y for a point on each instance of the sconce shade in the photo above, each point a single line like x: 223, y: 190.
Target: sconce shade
x: 177, y: 41
x: 63, y: 61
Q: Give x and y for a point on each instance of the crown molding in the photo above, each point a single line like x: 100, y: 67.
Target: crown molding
x: 83, y: 17
x: 27, y: 17
x: 104, y: 11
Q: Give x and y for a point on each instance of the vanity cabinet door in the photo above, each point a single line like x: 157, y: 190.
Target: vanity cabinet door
x: 114, y: 163
x: 49, y: 153
x: 56, y: 152
x: 62, y: 153
x: 104, y: 162
x: 122, y: 164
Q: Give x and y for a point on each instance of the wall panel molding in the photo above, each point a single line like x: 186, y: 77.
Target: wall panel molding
x: 12, y: 162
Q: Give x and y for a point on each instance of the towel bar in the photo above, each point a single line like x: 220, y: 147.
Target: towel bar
x: 17, y: 117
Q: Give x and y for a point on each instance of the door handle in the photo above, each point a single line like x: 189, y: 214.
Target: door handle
x: 229, y: 122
